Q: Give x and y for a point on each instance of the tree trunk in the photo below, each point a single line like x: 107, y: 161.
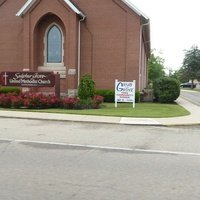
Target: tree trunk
x: 192, y: 86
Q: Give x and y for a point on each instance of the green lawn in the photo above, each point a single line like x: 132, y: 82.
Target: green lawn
x: 150, y: 110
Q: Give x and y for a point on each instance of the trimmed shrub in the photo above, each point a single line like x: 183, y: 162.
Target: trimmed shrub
x: 97, y: 100
x: 6, y: 90
x: 166, y: 90
x: 84, y: 104
x: 109, y: 95
x: 41, y: 101
x: 137, y: 97
x: 86, y: 87
x: 17, y: 101
x: 32, y: 101
x: 38, y: 101
x: 69, y: 102
x: 54, y: 101
x: 90, y: 103
x: 5, y: 101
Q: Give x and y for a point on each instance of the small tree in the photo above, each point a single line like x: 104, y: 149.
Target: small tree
x: 155, y: 68
x: 191, y: 65
x: 86, y: 87
x: 166, y: 89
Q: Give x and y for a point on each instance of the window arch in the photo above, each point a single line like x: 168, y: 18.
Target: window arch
x: 53, y: 48
x: 54, y: 45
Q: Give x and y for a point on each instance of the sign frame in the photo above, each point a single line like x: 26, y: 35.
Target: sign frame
x: 124, y: 92
x: 27, y: 79
x: 31, y: 79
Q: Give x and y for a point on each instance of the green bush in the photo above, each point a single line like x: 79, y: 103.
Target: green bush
x: 166, y: 90
x: 6, y: 90
x: 83, y: 104
x: 109, y: 95
x: 86, y: 87
x: 137, y: 97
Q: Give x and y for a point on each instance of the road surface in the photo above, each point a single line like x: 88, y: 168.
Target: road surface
x: 87, y: 161
x: 191, y: 95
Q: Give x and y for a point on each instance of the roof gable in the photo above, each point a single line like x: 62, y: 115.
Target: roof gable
x: 24, y: 9
x: 145, y: 25
x: 136, y: 10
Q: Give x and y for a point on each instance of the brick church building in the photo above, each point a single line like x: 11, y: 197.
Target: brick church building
x: 108, y: 39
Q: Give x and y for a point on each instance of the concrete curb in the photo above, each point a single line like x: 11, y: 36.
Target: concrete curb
x: 79, y: 118
x: 192, y: 119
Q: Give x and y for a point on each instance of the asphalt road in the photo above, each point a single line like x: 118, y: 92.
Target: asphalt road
x: 82, y: 161
x: 192, y: 96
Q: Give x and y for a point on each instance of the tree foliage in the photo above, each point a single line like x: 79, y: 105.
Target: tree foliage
x: 191, y: 65
x: 86, y: 87
x: 166, y: 89
x: 155, y: 68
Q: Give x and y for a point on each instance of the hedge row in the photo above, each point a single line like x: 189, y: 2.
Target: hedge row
x: 41, y: 101
x: 6, y: 90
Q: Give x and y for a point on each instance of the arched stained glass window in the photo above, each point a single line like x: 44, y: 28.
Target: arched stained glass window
x: 54, y: 45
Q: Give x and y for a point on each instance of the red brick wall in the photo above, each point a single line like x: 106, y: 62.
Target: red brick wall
x: 110, y: 42
x: 11, y: 36
x: 110, y: 39
x: 40, y: 17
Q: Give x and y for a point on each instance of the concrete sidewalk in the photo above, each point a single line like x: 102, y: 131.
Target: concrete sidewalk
x: 192, y: 119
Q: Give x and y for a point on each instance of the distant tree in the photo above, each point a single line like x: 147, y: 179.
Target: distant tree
x: 155, y: 68
x: 191, y: 65
x: 178, y: 74
x: 182, y: 76
x: 174, y: 74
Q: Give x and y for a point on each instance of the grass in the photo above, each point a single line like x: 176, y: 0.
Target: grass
x: 149, y: 110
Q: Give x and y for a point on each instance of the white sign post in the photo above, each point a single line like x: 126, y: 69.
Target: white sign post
x: 124, y: 92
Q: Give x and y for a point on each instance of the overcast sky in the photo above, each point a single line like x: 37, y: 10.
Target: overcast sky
x: 175, y: 26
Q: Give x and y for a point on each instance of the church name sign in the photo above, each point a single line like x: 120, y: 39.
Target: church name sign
x: 124, y: 92
x: 28, y: 79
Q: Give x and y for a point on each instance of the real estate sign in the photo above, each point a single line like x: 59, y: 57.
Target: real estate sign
x: 124, y: 92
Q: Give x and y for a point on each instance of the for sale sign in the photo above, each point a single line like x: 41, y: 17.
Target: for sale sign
x: 124, y: 92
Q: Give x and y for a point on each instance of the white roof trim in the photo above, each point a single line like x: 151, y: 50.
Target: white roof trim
x: 25, y: 7
x: 135, y: 9
x: 29, y: 3
x: 74, y: 8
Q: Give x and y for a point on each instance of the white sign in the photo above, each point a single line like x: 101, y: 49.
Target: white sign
x: 71, y: 71
x: 124, y: 92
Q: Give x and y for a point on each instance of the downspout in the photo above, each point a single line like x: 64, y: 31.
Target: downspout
x: 140, y: 55
x: 79, y: 47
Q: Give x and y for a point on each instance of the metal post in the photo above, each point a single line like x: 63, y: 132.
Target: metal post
x: 57, y: 85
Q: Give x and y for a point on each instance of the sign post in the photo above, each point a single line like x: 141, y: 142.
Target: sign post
x: 124, y: 92
x: 57, y: 85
